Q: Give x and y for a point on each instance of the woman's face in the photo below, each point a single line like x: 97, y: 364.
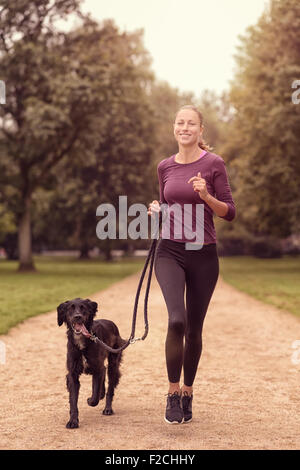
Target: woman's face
x: 187, y: 128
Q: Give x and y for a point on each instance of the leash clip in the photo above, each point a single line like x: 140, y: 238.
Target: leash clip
x: 93, y: 338
x: 134, y: 340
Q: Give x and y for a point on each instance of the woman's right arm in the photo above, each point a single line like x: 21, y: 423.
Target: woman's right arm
x: 154, y: 206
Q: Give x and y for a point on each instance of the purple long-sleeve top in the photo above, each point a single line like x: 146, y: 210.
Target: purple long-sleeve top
x: 174, y: 188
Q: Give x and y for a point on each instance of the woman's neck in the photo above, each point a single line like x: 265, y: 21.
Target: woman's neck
x: 188, y: 154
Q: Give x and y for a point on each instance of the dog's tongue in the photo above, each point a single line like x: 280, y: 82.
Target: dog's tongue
x: 80, y: 328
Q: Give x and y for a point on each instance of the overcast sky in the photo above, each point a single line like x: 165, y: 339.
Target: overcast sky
x: 191, y: 42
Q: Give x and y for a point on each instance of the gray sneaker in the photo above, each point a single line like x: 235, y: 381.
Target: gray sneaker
x: 174, y: 412
x: 186, y: 401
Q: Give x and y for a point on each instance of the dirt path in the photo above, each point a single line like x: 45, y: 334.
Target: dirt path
x: 246, y: 395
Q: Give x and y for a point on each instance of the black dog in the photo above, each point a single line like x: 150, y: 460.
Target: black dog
x: 84, y: 355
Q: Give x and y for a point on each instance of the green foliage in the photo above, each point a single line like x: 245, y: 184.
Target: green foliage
x: 7, y: 225
x: 121, y: 160
x: 264, y: 134
x: 76, y: 106
x: 86, y: 121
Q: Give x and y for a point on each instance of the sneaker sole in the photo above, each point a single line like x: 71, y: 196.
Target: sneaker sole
x: 187, y: 420
x: 173, y: 422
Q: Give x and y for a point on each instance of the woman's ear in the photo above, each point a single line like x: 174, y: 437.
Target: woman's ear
x: 61, y: 312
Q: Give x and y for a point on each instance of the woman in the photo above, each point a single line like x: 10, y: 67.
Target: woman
x: 192, y: 177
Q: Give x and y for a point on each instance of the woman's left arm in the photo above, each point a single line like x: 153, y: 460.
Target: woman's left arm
x: 222, y: 192
x: 223, y: 204
x: 219, y: 207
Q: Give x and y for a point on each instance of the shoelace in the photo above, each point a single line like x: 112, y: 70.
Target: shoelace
x: 174, y: 399
x: 186, y: 399
x: 186, y: 395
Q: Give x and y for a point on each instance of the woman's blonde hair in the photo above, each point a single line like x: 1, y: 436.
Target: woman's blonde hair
x: 202, y: 144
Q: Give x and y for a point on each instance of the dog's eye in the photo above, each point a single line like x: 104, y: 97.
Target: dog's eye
x: 81, y: 307
x: 73, y: 306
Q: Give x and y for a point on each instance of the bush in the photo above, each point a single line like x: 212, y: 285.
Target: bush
x: 265, y: 247
x: 260, y: 247
x: 231, y: 247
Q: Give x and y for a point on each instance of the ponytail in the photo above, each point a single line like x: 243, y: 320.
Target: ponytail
x: 204, y: 146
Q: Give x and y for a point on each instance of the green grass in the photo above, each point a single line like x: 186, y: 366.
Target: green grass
x: 274, y: 281
x: 23, y: 295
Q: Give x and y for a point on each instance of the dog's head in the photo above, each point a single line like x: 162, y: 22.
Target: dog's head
x: 78, y: 314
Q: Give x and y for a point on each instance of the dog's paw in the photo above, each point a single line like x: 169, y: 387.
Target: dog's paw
x: 72, y: 424
x: 91, y: 402
x: 107, y: 411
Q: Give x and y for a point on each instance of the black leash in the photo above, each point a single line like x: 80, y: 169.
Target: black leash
x: 132, y: 339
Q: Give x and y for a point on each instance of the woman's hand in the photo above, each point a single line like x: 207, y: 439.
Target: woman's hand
x: 153, y: 207
x: 199, y: 185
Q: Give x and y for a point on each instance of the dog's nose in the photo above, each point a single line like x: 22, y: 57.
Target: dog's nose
x: 78, y: 317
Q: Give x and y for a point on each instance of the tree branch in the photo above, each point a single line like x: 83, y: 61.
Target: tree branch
x: 4, y: 43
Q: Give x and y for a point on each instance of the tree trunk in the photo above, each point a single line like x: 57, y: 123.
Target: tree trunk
x: 24, y: 239
x: 84, y: 251
x: 107, y: 254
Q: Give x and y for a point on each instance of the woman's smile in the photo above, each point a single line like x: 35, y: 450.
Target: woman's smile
x: 187, y: 127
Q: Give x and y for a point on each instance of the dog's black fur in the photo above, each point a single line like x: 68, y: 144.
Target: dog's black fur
x: 84, y: 355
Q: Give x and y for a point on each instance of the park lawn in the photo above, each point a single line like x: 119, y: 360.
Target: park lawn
x: 274, y: 281
x: 23, y: 295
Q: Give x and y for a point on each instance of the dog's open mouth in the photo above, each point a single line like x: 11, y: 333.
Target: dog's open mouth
x: 79, y: 329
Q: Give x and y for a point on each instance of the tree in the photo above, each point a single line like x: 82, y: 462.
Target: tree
x: 45, y: 114
x: 62, y: 90
x: 121, y: 162
x: 264, y: 134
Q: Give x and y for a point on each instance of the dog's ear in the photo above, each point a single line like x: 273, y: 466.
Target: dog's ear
x: 92, y: 306
x: 61, y: 312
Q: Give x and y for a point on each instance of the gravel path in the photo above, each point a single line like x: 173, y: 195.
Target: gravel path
x: 246, y: 394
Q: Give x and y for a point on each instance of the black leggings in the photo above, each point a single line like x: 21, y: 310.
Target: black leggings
x: 196, y: 270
